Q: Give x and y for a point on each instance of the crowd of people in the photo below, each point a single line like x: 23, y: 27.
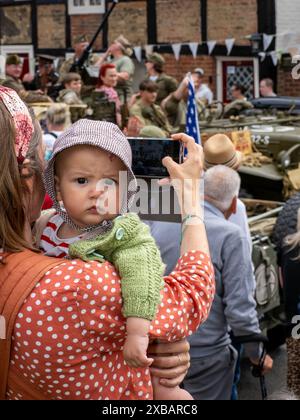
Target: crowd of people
x: 97, y: 304
x: 160, y: 102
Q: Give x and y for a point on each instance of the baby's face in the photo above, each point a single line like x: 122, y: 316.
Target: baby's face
x: 87, y: 182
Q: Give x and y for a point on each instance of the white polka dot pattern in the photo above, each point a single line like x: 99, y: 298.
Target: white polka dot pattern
x: 69, y: 334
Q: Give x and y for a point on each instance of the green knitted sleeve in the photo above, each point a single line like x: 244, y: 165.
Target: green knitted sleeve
x: 133, y: 251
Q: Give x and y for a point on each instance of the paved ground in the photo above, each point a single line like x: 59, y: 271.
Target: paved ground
x: 276, y: 381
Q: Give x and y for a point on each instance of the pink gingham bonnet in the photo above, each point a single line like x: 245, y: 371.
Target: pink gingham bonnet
x: 106, y: 136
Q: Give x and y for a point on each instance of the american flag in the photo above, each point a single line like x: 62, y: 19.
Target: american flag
x: 192, y: 122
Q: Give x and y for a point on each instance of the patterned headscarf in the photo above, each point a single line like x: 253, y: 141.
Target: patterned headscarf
x: 22, y: 120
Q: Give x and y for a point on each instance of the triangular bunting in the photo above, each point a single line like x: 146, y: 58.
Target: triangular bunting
x: 138, y: 53
x: 268, y: 39
x: 211, y: 46
x: 262, y: 56
x: 149, y: 49
x: 176, y: 49
x: 274, y: 57
x: 229, y: 44
x: 194, y: 48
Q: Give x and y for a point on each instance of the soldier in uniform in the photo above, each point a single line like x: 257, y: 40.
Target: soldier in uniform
x: 13, y: 71
x: 175, y: 105
x: 46, y: 78
x: 146, y: 111
x: 80, y: 44
x: 155, y: 69
x: 240, y: 102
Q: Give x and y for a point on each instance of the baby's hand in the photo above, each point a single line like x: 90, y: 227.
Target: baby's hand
x: 135, y: 351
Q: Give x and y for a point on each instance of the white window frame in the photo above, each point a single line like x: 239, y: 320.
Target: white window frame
x: 220, y: 61
x: 87, y: 9
x: 19, y: 49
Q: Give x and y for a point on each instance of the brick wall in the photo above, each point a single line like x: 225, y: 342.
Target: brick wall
x: 232, y: 18
x: 129, y: 19
x: 86, y: 24
x: 286, y: 85
x: 15, y: 25
x: 186, y: 63
x: 178, y: 21
x: 51, y: 26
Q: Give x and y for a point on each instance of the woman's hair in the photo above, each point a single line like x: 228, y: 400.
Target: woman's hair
x: 58, y: 114
x: 293, y: 241
x: 12, y: 185
x: 102, y: 73
x: 70, y: 77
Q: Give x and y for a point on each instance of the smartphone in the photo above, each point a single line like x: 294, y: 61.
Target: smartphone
x: 148, y: 154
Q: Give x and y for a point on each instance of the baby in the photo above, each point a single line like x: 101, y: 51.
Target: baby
x: 91, y: 222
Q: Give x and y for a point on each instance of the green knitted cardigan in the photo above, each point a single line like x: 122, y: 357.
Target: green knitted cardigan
x: 130, y: 247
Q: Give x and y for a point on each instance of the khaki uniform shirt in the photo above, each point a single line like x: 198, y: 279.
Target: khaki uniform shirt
x: 67, y: 64
x: 166, y: 86
x: 26, y: 96
x: 176, y: 111
x: 124, y: 88
x: 151, y: 115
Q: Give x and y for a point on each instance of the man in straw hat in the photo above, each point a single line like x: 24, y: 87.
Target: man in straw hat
x: 121, y: 51
x: 155, y: 69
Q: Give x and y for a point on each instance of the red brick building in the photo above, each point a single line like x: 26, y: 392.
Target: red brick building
x: 43, y: 26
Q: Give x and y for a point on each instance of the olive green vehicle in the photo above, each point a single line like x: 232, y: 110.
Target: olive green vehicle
x: 262, y: 220
x: 271, y: 171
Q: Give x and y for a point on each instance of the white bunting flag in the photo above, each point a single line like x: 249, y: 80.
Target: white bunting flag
x: 149, y: 49
x: 211, y: 46
x: 138, y: 53
x: 229, y: 44
x: 268, y: 39
x: 274, y: 57
x: 194, y: 48
x: 262, y: 56
x: 176, y: 49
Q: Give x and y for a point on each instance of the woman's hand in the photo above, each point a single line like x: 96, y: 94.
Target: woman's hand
x: 171, y: 362
x: 186, y: 177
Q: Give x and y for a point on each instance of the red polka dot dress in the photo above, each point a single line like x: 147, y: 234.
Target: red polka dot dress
x: 69, y: 334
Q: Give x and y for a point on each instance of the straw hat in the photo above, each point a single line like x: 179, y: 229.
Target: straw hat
x: 219, y: 150
x: 125, y: 45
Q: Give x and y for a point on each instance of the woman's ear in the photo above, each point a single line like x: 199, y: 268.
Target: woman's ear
x: 57, y: 188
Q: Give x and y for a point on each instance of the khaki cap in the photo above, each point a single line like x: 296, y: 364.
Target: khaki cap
x: 13, y: 59
x: 156, y: 59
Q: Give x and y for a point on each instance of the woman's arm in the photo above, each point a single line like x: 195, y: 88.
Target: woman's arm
x: 188, y: 184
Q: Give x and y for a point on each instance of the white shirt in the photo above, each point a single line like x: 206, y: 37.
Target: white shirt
x: 49, y: 139
x: 204, y: 92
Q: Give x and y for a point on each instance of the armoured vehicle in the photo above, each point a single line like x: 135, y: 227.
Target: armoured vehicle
x: 272, y: 146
